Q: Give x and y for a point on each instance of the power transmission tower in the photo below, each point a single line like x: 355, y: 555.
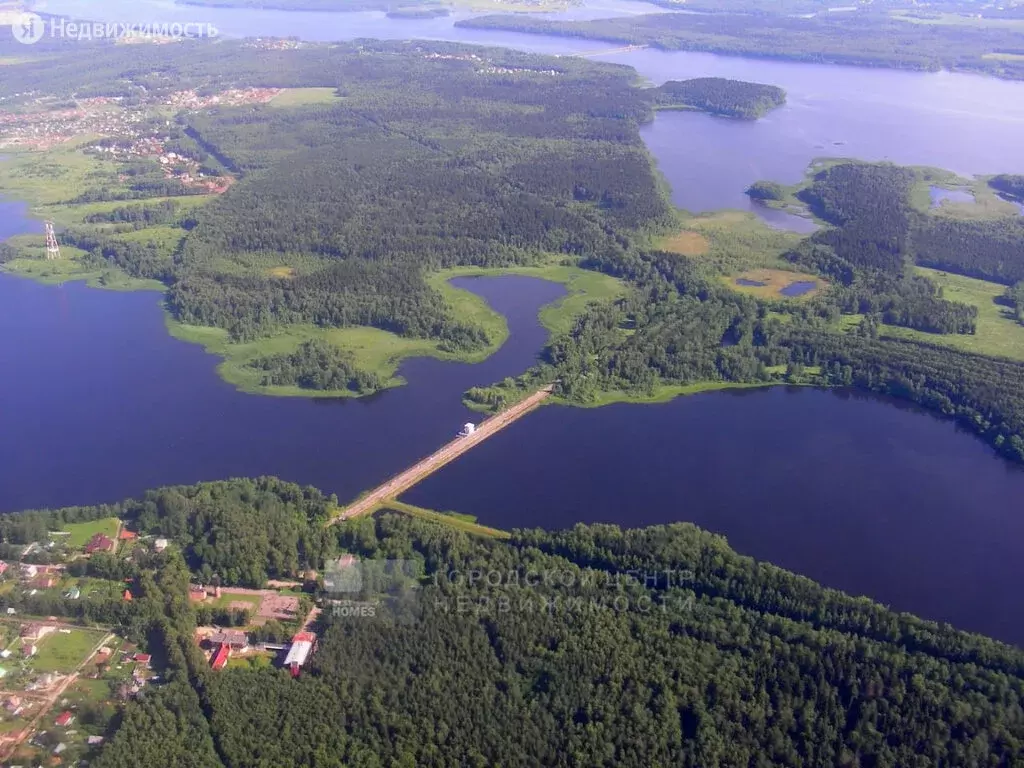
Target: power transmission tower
x: 52, y: 248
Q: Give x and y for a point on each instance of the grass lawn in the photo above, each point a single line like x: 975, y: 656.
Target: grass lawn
x: 227, y: 599
x: 464, y: 523
x: 60, y: 652
x: 998, y: 333
x: 80, y: 533
x: 300, y: 97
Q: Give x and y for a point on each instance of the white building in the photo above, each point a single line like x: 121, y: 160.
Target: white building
x: 468, y: 429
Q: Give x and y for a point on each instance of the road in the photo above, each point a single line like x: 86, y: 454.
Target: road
x: 407, y: 479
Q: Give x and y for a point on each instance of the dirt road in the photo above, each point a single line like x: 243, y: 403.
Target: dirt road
x: 407, y: 479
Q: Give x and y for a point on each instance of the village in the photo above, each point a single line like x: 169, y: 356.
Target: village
x: 63, y: 679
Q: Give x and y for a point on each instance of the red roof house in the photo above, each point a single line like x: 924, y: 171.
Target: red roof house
x: 126, y: 535
x: 220, y: 658
x: 65, y: 719
x: 100, y: 543
x: 142, y: 658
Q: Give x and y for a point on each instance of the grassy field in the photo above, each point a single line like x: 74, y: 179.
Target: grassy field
x: 55, y: 176
x: 774, y: 281
x: 464, y: 523
x: 997, y: 334
x: 226, y: 599
x: 80, y: 533
x: 301, y: 97
x: 60, y: 652
x: 729, y: 241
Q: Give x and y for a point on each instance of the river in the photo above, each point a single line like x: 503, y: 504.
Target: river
x: 97, y: 402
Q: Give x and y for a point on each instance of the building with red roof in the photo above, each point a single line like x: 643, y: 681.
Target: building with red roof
x: 100, y: 542
x: 65, y: 719
x: 220, y: 658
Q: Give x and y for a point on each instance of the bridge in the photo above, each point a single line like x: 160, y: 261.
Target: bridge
x: 402, y: 482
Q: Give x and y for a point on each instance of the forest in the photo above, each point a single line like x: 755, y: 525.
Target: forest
x: 854, y: 39
x: 590, y: 646
x: 720, y: 96
x: 316, y: 365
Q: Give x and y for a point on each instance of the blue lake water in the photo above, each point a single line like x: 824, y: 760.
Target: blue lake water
x: 799, y: 288
x: 940, y: 195
x: 97, y: 402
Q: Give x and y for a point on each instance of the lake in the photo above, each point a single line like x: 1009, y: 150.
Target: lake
x: 855, y: 492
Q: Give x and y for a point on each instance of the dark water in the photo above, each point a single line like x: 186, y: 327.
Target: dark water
x: 749, y: 283
x: 939, y: 195
x: 862, y: 494
x: 799, y: 288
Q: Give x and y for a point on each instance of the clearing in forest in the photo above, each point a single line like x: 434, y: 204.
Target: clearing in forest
x: 686, y: 243
x: 776, y: 284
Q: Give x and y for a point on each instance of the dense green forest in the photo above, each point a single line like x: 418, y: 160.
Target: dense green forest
x: 857, y: 39
x: 590, y: 646
x: 766, y: 190
x: 720, y: 96
x: 316, y: 365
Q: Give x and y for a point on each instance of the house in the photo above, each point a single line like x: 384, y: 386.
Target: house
x: 100, y: 542
x: 126, y: 535
x: 300, y: 651
x: 30, y: 650
x: 44, y: 581
x: 127, y: 595
x: 142, y: 658
x: 64, y: 719
x: 160, y: 545
x: 13, y: 703
x: 3, y: 567
x: 94, y: 740
x: 196, y: 593
x: 221, y: 656
x: 234, y: 639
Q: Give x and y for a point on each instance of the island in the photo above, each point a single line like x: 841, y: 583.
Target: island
x: 229, y: 624
x: 720, y: 96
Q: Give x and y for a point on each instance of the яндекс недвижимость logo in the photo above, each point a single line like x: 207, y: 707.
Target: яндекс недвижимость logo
x: 28, y: 28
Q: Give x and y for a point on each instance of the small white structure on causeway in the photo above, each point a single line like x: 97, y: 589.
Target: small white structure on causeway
x: 467, y: 430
